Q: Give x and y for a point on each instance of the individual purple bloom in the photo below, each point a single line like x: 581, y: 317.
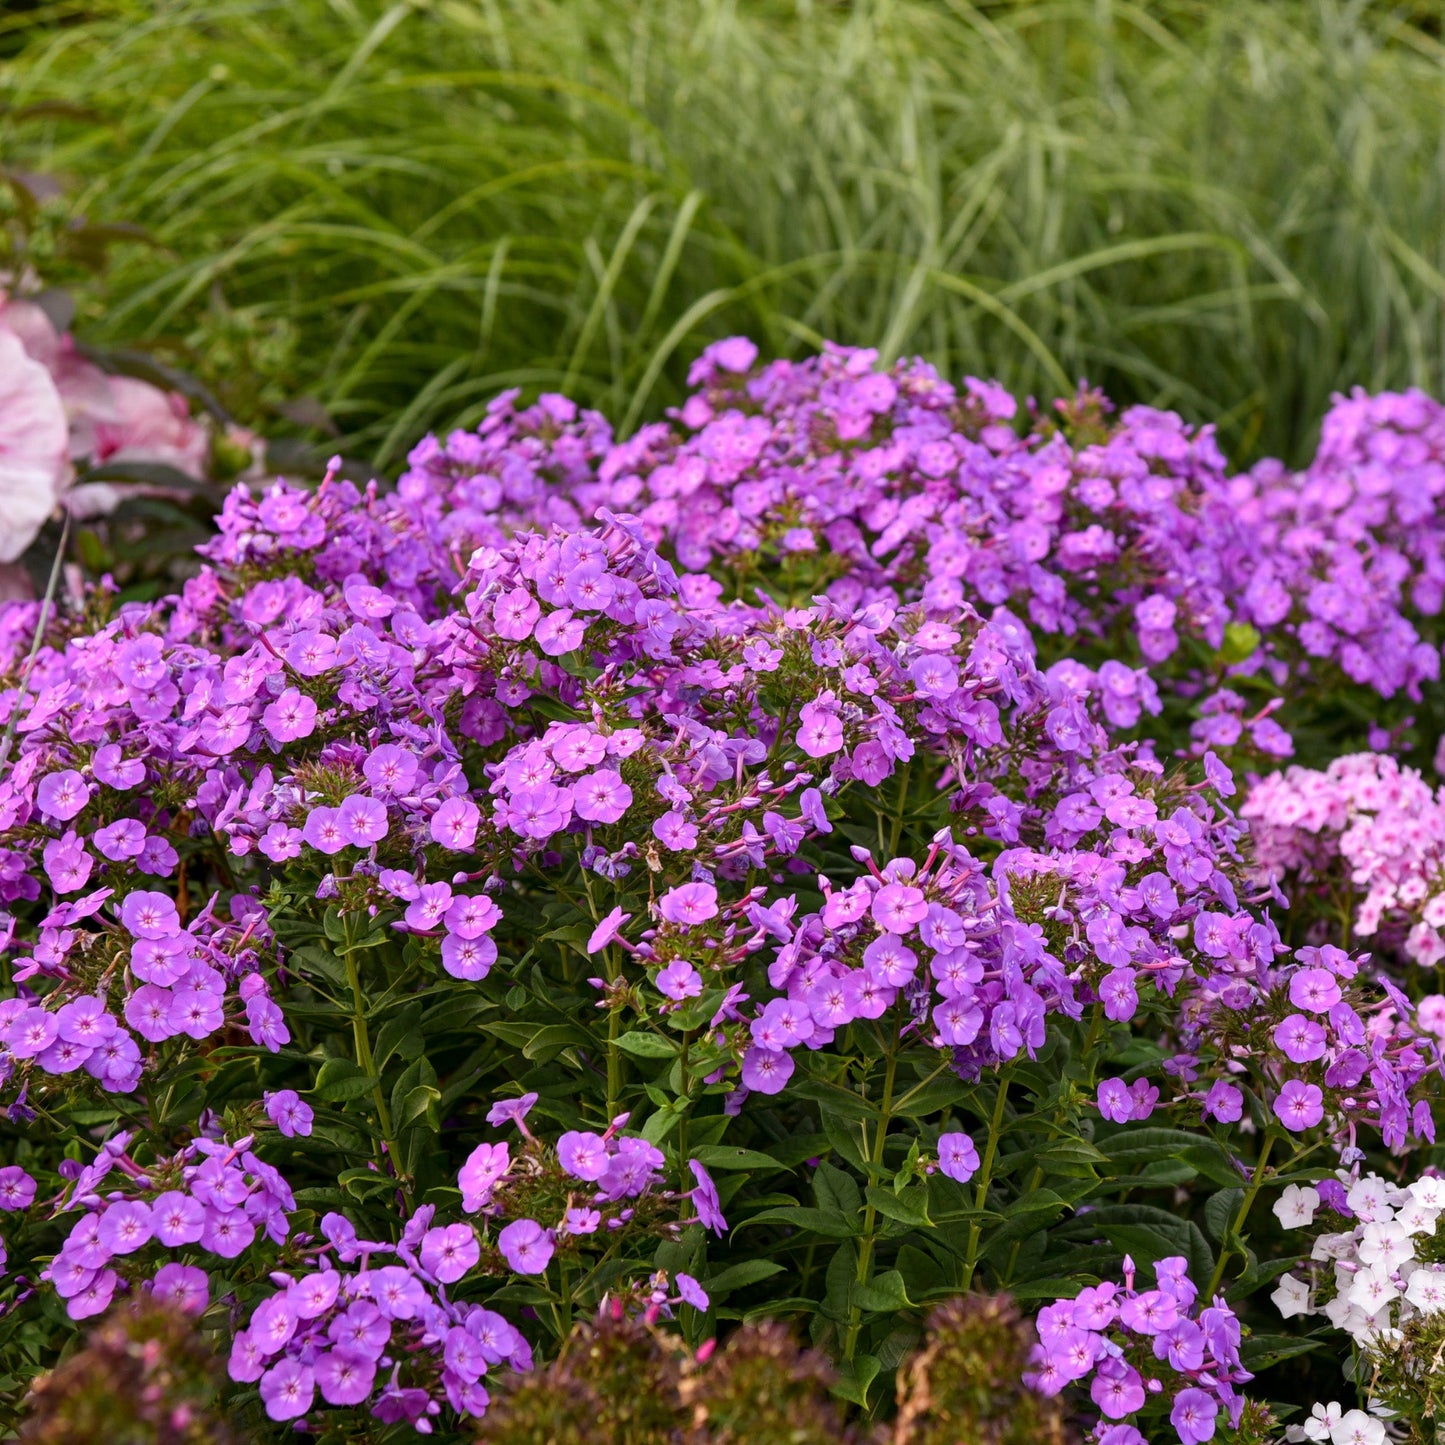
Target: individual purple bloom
x: 690, y: 1292
x: 899, y: 908
x: 472, y: 916
x: 183, y: 1285
x: 1143, y: 1096
x: 314, y: 1294
x: 390, y: 769
x: 1315, y: 990
x: 345, y: 1377
x: 1301, y: 1039
x: 766, y: 1071
x: 1223, y: 1102
x: 62, y: 795
x: 679, y: 980
x: 362, y: 820
x: 323, y: 831
x: 1299, y: 1106
x: 607, y: 930
x: 177, y: 1218
x: 150, y: 915
x: 32, y: 1032
x: 674, y: 831
x: 292, y: 716
x: 705, y: 1199
x: 397, y: 1293
x: 957, y: 1157
x: 601, y: 797
x: 515, y: 614
x: 17, y: 1188
x: 360, y: 1327
x: 1117, y: 1388
x: 579, y: 1221
x: 288, y: 1112
x: 454, y: 824
x: 1119, y: 995
x: 1221, y: 780
x: 148, y: 1012
x: 120, y: 840
x: 1115, y: 1102
x: 449, y: 1253
x: 689, y: 904
x: 526, y: 1246
x: 228, y: 1232
x: 95, y: 1298
x: 112, y: 768
x: 67, y: 864
x: 468, y: 958
x: 582, y: 1155
x: 126, y: 1226
x: 819, y: 731
x: 560, y: 632
x: 281, y: 842
x: 511, y: 1111
x: 197, y: 1012
x: 311, y: 653
x: 485, y: 1165
x: 287, y: 1389
x: 1193, y: 1416
x: 430, y: 906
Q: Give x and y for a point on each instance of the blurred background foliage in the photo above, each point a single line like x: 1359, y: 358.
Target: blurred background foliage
x: 353, y: 221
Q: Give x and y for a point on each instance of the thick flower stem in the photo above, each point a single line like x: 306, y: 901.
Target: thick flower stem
x: 985, y: 1178
x: 362, y: 1041
x: 870, y: 1215
x: 1225, y: 1248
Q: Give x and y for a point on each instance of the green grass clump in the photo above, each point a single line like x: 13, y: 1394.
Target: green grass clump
x: 382, y: 213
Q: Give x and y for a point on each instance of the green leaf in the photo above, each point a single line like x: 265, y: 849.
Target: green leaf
x: 750, y: 1271
x: 340, y: 1080
x: 854, y: 1379
x: 818, y: 1221
x: 884, y: 1292
x: 400, y: 1034
x: 646, y: 1045
x: 1220, y: 1212
x: 727, y: 1156
x: 1241, y: 641
x: 836, y: 1192
x: 417, y: 1103
x: 910, y: 1207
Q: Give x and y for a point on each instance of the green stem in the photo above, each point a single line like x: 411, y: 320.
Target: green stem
x: 362, y: 1041
x: 1226, y: 1246
x: 985, y: 1178
x: 870, y: 1215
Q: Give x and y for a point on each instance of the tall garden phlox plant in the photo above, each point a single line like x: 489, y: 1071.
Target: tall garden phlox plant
x: 782, y: 863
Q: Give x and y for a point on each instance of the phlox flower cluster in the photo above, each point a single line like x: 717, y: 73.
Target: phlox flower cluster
x: 1367, y: 824
x: 213, y: 1198
x: 1160, y: 1349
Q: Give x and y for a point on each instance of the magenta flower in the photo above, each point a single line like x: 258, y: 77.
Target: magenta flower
x: 150, y: 915
x: 1316, y: 990
x: 472, y: 916
x: 449, y: 1253
x: 1115, y: 1102
x: 526, y: 1246
x: 1299, y: 1106
x: 67, y: 864
x: 345, y: 1377
x: 17, y: 1188
x: 601, y: 797
x: 183, y: 1285
x: 690, y: 1292
x: 112, y: 768
x: 454, y: 824
x: 1223, y: 1102
x: 362, y: 820
x: 679, y: 980
x: 511, y: 1111
x: 290, y: 717
x: 288, y: 1112
x: 819, y: 732
x: 31, y: 1032
x: 470, y: 959
x: 280, y: 842
x: 126, y: 1226
x: 94, y: 1298
x: 582, y: 1155
x: 766, y: 1071
x: 1300, y: 1038
x: 689, y: 904
x: 486, y: 1164
x: 429, y: 907
x: 898, y: 908
x: 311, y: 653
x: 197, y: 1012
x: 397, y: 1293
x: 515, y: 614
x: 607, y: 930
x: 957, y: 1157
x: 287, y: 1389
x: 62, y: 795
x: 1193, y: 1416
x: 177, y: 1219
x: 314, y: 1294
x: 120, y: 840
x: 579, y: 1221
x: 390, y: 769
x: 323, y: 830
